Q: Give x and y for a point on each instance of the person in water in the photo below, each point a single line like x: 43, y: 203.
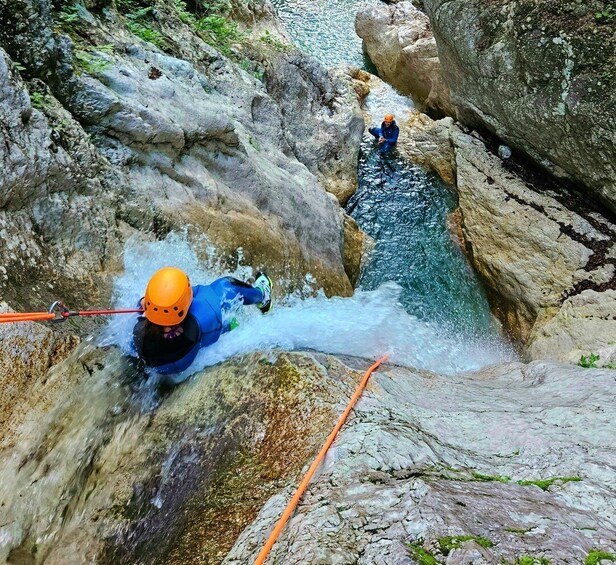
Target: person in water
x: 179, y: 320
x: 387, y: 134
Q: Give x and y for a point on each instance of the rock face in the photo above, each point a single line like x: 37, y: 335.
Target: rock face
x: 104, y: 469
x: 393, y: 484
x: 399, y: 41
x: 540, y: 76
x: 128, y: 136
x: 547, y: 257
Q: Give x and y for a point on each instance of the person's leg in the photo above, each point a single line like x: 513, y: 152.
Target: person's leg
x: 386, y: 147
x: 230, y: 290
x: 376, y: 132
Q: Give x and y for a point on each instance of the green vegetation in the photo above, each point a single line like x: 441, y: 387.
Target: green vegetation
x: 545, y: 484
x: 490, y: 478
x: 38, y: 100
x: 90, y: 62
x: 138, y: 24
x: 595, y: 556
x: 520, y: 531
x: 589, y: 362
x: 454, y: 542
x: 421, y: 555
x: 271, y: 40
x: 210, y: 24
x: 68, y: 16
x: 607, y: 15
x: 530, y: 560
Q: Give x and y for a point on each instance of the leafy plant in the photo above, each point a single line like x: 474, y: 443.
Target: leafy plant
x: 68, y: 16
x: 595, y: 556
x: 270, y: 39
x: 148, y: 34
x: 90, y: 62
x: 589, y: 362
x: 19, y: 67
x: 185, y: 16
x: 454, y: 542
x: 607, y: 15
x: 219, y: 33
x: 421, y: 555
x: 37, y: 99
x: 531, y: 560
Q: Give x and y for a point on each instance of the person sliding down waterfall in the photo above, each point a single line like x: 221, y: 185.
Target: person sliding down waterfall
x: 179, y: 320
x: 387, y: 134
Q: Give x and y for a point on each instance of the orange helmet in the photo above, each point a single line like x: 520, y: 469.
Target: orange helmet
x: 388, y: 118
x: 167, y: 297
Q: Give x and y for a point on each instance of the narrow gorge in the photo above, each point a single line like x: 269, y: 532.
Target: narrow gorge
x: 226, y: 137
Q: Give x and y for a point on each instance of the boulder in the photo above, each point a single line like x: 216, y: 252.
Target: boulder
x: 399, y: 41
x: 128, y: 138
x: 585, y: 325
x: 533, y: 250
x: 539, y: 75
x: 108, y: 469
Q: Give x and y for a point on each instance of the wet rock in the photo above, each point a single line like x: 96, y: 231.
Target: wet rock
x: 539, y: 76
x: 398, y: 38
x: 27, y: 351
x: 321, y: 119
x: 202, y: 147
x: 107, y: 470
x: 393, y: 482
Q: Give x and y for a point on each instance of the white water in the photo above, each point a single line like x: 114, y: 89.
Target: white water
x: 367, y: 324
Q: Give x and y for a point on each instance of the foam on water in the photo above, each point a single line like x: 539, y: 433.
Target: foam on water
x: 368, y: 324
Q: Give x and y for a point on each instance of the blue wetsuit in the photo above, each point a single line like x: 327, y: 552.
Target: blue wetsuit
x: 390, y: 133
x: 202, y: 326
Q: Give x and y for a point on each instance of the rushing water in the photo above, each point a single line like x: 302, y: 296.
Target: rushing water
x: 368, y: 324
x: 418, y: 298
x: 325, y: 29
x: 400, y: 205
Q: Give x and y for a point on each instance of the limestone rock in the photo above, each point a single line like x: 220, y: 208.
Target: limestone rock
x: 128, y: 138
x: 532, y: 250
x: 392, y: 479
x: 107, y: 470
x: 585, y: 324
x: 538, y: 74
x: 398, y: 38
x: 27, y: 351
x: 322, y: 121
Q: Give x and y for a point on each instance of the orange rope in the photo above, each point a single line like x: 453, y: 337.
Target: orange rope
x: 304, y: 484
x: 25, y: 317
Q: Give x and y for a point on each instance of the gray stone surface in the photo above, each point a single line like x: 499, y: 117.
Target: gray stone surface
x: 398, y: 38
x: 102, y: 469
x: 540, y: 75
x: 421, y: 457
x: 128, y: 138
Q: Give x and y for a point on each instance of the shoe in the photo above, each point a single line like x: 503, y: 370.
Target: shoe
x: 264, y: 283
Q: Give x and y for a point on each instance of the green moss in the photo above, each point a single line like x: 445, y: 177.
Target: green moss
x: 421, y: 555
x: 531, y: 560
x: 490, y: 478
x: 90, y: 62
x: 595, y: 556
x: 271, y: 40
x: 449, y: 543
x: 545, y: 484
